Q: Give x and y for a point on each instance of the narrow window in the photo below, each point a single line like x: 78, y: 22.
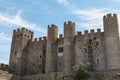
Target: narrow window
x: 97, y: 61
x: 15, y: 53
x: 17, y: 35
x: 25, y: 35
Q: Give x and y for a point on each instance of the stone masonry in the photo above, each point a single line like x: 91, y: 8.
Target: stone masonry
x: 59, y: 54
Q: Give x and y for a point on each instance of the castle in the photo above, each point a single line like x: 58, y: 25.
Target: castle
x: 59, y: 54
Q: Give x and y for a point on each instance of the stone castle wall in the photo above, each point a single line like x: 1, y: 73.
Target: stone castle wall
x: 83, y: 42
x: 35, y: 56
x: 112, y: 47
x: 52, y: 54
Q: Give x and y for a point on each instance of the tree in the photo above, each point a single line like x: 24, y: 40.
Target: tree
x: 81, y: 72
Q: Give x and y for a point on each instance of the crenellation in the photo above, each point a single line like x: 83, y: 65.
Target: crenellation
x: 40, y: 38
x: 86, y: 32
x: 69, y: 23
x: 92, y: 31
x: 3, y: 66
x: 21, y: 30
x: 14, y: 31
x: 44, y: 38
x: 26, y: 29
x: 52, y: 26
x: 104, y: 17
x: 98, y: 30
x: 115, y: 15
x: 109, y: 15
x: 79, y: 33
x: 60, y: 36
x: 18, y: 30
x: 35, y: 39
x: 29, y: 31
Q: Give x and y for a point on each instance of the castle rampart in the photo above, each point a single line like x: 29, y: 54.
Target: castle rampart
x: 3, y: 67
x: 59, y: 53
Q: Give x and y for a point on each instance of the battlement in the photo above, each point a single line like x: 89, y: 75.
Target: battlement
x: 86, y: 32
x: 69, y: 23
x: 40, y: 39
x: 52, y: 26
x: 61, y: 36
x: 22, y: 30
x: 92, y: 31
x: 3, y: 66
x: 79, y: 33
x: 110, y: 16
x: 98, y: 30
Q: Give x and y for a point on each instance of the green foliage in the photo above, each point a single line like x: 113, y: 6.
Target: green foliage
x: 81, y: 72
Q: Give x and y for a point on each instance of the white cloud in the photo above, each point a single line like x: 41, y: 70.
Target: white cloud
x: 63, y: 2
x: 117, y: 0
x: 3, y: 61
x: 91, y: 18
x: 4, y: 38
x: 17, y: 20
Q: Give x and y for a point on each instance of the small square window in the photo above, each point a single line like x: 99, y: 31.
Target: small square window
x: 60, y: 49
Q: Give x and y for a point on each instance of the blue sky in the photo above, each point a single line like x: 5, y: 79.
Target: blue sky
x: 37, y: 14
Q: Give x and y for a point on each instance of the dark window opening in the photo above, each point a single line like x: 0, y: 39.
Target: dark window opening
x: 33, y: 65
x: 97, y: 61
x: 60, y: 65
x: 94, y: 38
x: 20, y: 34
x: 40, y: 56
x: 43, y: 71
x: 15, y: 53
x: 60, y: 49
x: 40, y: 67
x: 17, y: 35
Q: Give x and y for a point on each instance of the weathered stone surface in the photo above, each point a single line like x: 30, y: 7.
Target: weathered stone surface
x: 59, y: 54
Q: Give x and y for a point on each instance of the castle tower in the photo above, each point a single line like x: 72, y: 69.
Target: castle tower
x: 68, y: 54
x: 111, y: 34
x: 51, y: 51
x: 19, y: 41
